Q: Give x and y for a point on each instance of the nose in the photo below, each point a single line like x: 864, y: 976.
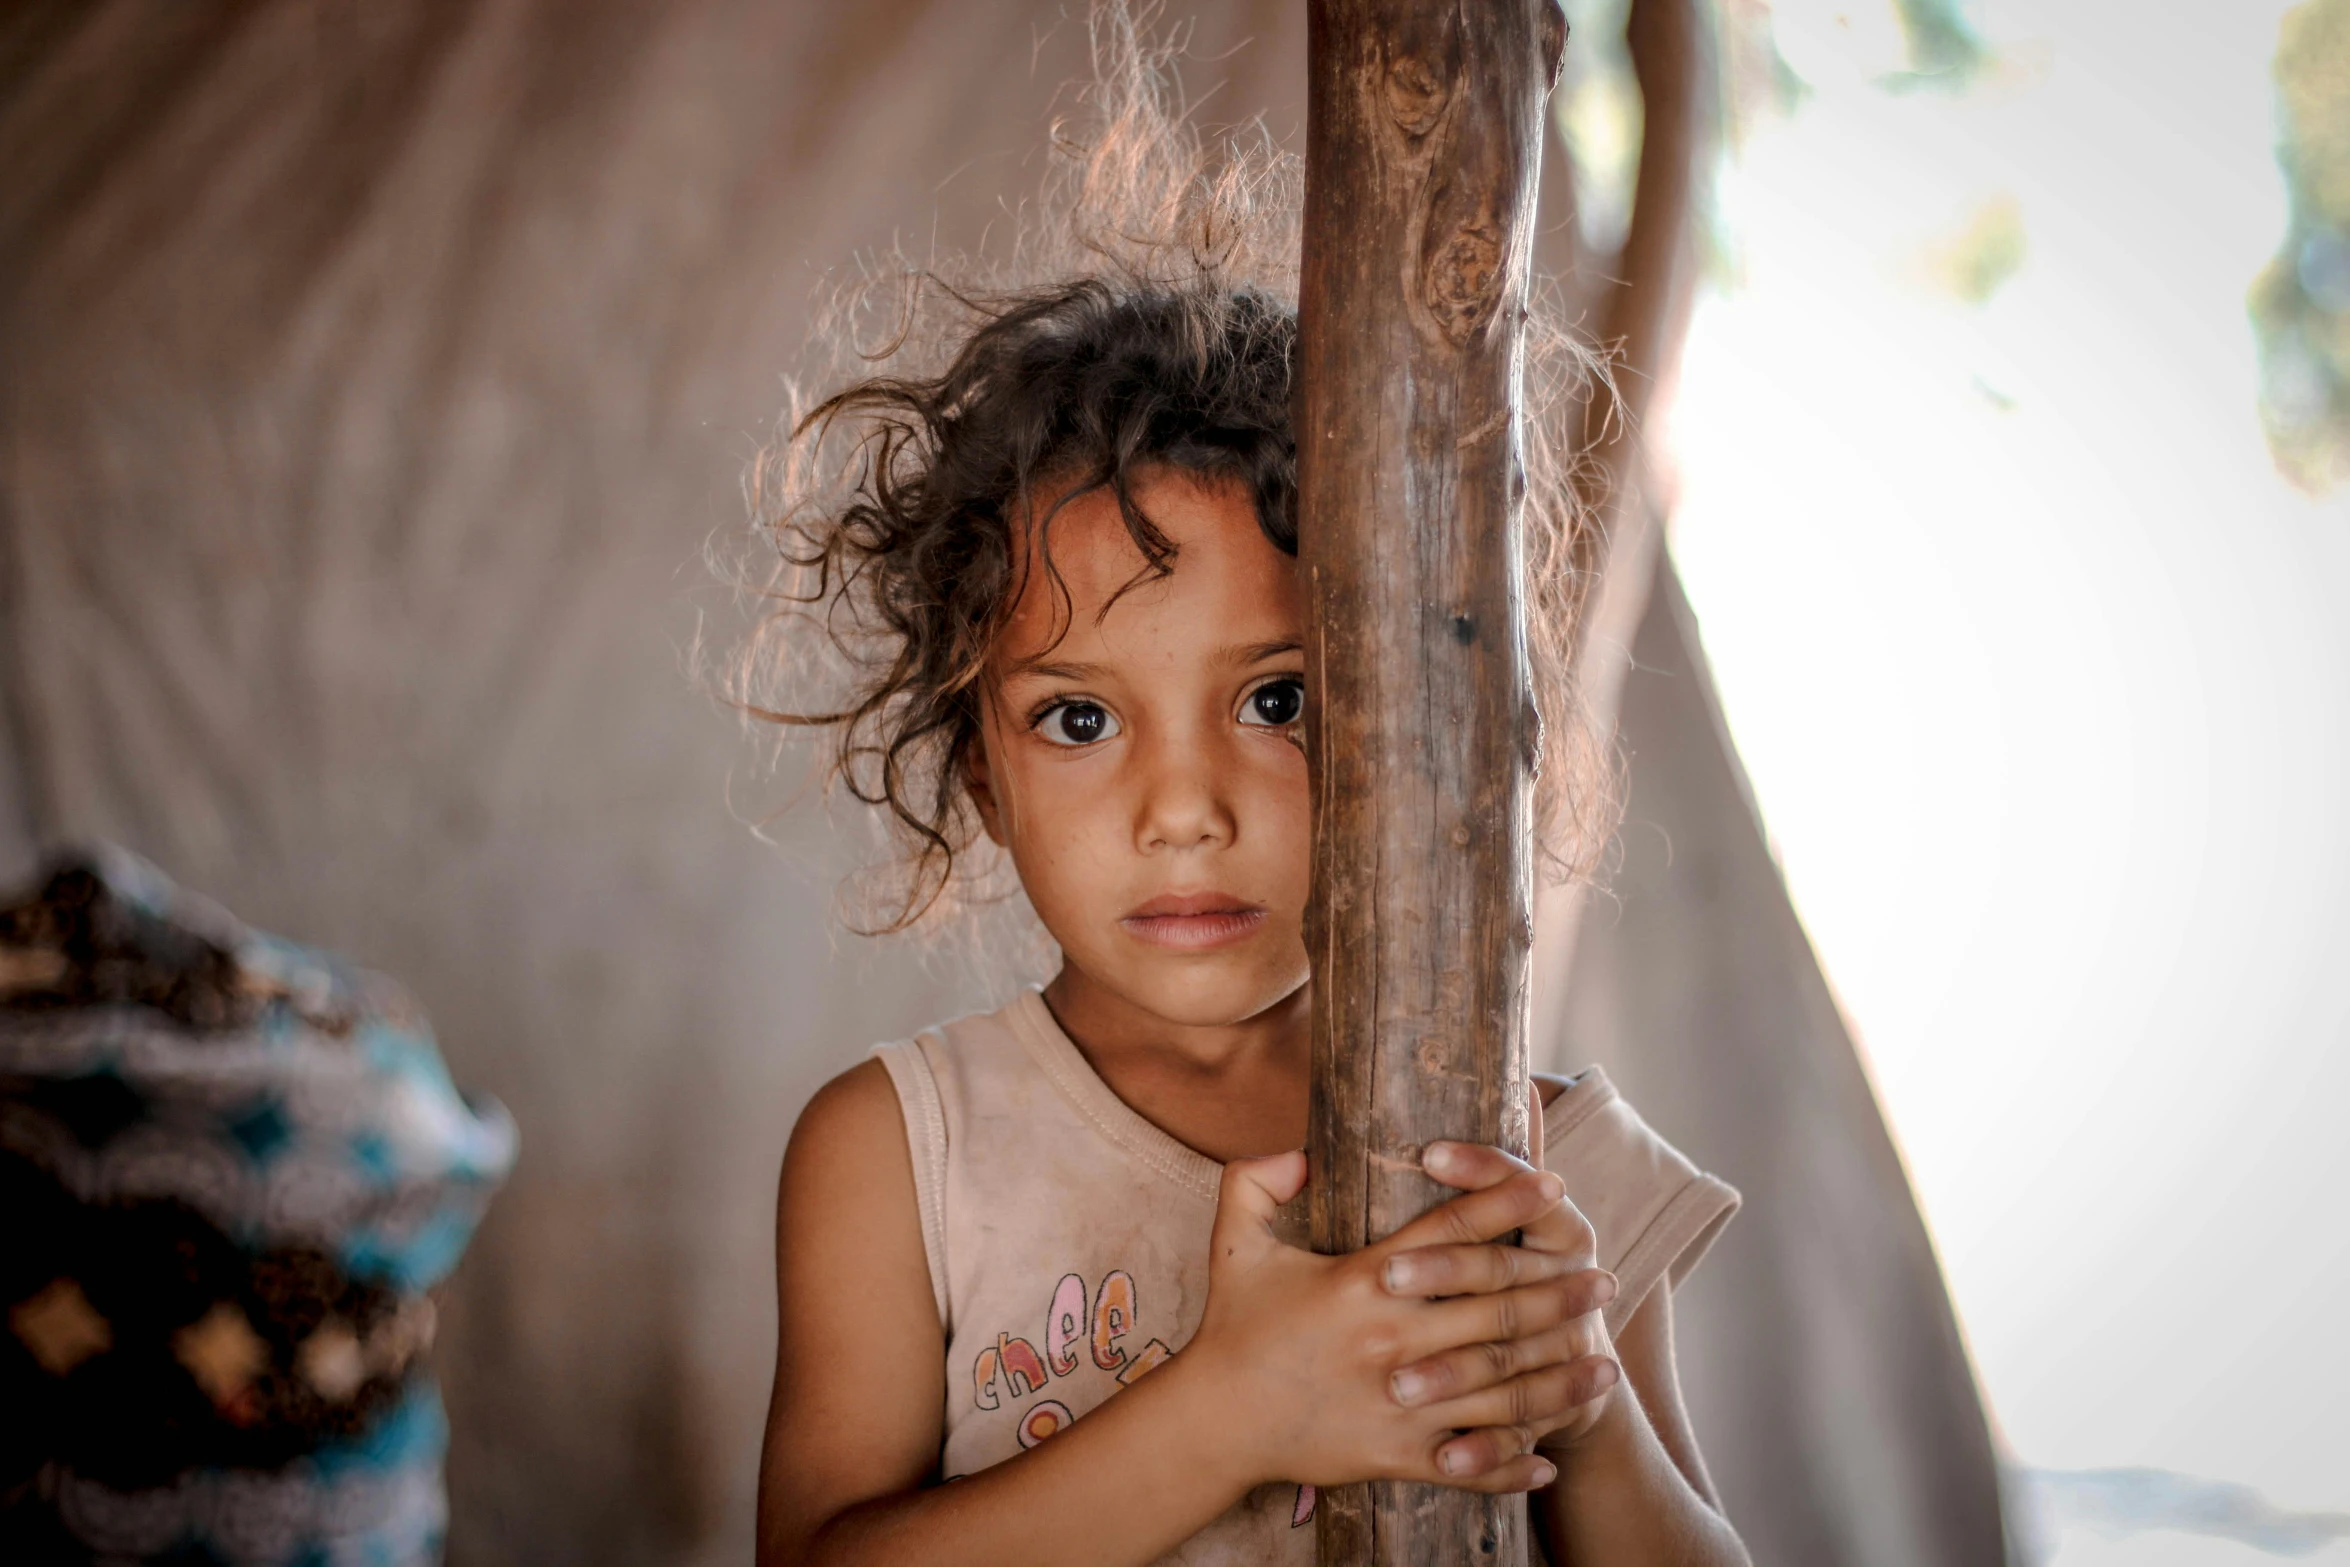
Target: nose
x: 1184, y: 802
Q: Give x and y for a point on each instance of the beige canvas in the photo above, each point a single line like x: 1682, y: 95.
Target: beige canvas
x: 371, y: 379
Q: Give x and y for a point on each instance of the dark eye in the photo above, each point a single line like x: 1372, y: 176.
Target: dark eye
x: 1276, y: 703
x: 1077, y: 723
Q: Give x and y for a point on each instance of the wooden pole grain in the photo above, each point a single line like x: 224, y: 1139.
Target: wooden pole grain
x: 1423, y: 143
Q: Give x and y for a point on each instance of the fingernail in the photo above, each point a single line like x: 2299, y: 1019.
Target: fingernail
x: 1453, y: 1460
x: 1604, y: 1375
x: 1544, y: 1472
x: 1436, y: 1156
x: 1552, y: 1187
x: 1409, y: 1387
x: 1603, y: 1289
x: 1400, y: 1274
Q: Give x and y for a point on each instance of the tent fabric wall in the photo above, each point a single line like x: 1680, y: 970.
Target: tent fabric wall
x: 371, y: 378
x: 1817, y: 1343
x: 374, y: 377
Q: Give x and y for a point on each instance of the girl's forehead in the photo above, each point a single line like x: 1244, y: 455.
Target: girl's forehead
x: 1225, y: 573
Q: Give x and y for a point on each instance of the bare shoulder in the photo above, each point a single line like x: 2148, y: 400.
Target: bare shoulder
x: 848, y: 1184
x: 854, y: 1121
x: 860, y: 1353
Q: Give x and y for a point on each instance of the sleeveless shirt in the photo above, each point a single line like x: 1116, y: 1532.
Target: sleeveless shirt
x: 1068, y: 1240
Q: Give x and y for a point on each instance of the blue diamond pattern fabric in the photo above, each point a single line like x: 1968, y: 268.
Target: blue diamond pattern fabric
x: 232, y: 1168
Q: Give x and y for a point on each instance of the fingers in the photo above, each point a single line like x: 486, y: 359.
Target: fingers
x: 1481, y: 1365
x: 1527, y: 1472
x: 1473, y: 1270
x: 1516, y: 1198
x: 1470, y: 1166
x: 1498, y: 1318
x: 1533, y: 1403
x: 1502, y: 1424
x: 1252, y: 1193
x: 1505, y: 1193
x: 1562, y: 1231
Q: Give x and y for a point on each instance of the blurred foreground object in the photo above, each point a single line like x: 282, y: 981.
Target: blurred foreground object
x: 2301, y: 304
x: 230, y: 1170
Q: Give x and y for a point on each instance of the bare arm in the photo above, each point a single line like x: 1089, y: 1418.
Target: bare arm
x: 1632, y: 1486
x: 849, y: 1473
x: 1634, y: 1489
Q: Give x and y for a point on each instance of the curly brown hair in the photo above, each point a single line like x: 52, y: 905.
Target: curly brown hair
x: 1163, y: 335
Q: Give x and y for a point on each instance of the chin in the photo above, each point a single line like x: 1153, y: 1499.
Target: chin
x: 1213, y: 995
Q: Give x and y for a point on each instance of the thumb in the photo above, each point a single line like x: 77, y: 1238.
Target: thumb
x: 1253, y: 1192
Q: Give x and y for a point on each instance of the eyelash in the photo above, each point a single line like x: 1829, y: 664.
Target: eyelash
x: 1248, y: 701
x: 1043, y: 715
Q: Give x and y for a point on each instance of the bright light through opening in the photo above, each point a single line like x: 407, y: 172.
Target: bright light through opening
x: 2043, y: 677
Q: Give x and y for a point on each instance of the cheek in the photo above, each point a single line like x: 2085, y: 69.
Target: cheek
x: 1059, y: 821
x: 1280, y: 816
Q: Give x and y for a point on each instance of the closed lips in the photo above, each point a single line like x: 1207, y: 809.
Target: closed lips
x: 1194, y: 921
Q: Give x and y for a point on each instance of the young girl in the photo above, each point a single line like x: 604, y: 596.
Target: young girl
x: 1039, y: 1300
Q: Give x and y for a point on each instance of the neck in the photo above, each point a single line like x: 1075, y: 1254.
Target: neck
x: 1104, y: 1025
x: 1228, y: 1090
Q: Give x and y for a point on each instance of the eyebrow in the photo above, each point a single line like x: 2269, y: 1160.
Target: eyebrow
x: 1258, y: 652
x: 1048, y: 671
x: 1239, y: 657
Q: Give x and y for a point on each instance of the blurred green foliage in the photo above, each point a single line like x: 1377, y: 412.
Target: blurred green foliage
x: 1756, y: 78
x: 1944, y: 50
x: 1984, y: 254
x: 1599, y: 118
x: 1599, y: 115
x: 2301, y: 303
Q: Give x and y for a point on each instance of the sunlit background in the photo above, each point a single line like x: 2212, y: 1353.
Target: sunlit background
x: 2041, y: 669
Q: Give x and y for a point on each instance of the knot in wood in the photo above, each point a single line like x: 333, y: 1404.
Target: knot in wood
x: 1464, y: 279
x: 1433, y: 1055
x: 1416, y: 94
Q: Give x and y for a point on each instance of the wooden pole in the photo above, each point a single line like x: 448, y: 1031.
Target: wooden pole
x: 1424, y: 130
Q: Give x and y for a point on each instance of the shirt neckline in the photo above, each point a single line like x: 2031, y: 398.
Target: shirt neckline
x: 1052, y: 1049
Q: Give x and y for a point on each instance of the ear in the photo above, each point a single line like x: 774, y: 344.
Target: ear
x: 979, y: 783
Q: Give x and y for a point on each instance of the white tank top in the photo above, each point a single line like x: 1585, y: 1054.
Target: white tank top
x: 1068, y: 1240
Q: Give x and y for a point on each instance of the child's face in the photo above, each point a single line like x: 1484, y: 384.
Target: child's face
x: 1146, y: 769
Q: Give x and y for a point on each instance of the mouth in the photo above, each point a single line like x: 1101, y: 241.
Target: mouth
x: 1194, y: 921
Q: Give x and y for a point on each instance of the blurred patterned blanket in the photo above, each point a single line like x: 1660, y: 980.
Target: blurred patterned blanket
x: 231, y: 1171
